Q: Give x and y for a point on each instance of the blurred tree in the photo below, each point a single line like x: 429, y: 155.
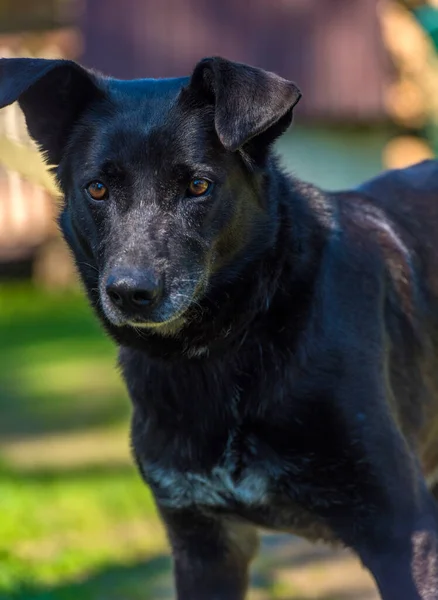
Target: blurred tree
x: 410, y: 31
x: 427, y: 17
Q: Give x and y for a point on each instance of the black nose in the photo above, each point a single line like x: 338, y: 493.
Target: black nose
x: 133, y: 290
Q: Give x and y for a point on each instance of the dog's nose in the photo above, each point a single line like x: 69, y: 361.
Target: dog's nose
x: 133, y: 290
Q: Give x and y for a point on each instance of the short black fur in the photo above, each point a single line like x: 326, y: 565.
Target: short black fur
x: 279, y: 343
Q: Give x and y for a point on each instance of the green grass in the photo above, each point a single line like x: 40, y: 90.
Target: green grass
x: 57, y: 367
x: 68, y: 528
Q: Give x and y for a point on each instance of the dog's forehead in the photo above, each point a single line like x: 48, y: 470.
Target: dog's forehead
x: 146, y: 92
x: 149, y: 121
x: 143, y: 104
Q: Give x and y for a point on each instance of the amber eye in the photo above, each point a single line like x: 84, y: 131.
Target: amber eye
x: 97, y: 190
x: 198, y: 187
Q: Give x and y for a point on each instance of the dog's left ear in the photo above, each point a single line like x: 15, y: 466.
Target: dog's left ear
x: 248, y: 101
x: 52, y: 94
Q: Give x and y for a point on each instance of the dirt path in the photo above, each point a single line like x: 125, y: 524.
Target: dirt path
x: 292, y: 569
x: 298, y: 570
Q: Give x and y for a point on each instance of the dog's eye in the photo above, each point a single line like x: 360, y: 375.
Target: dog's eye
x: 97, y: 190
x: 198, y: 187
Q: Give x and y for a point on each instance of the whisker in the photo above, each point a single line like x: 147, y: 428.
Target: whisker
x: 85, y: 264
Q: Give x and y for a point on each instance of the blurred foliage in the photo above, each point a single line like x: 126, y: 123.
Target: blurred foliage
x: 427, y: 16
x: 409, y: 34
x: 25, y: 160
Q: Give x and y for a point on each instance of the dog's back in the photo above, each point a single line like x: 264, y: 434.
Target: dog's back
x: 400, y: 209
x: 410, y: 197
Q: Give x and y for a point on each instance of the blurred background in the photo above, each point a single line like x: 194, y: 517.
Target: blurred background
x: 75, y: 519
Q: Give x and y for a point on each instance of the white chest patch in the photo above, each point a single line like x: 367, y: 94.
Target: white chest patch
x: 197, y: 351
x: 215, y: 489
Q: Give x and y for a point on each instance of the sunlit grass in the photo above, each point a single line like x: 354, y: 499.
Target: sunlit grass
x: 55, y: 527
x: 71, y: 501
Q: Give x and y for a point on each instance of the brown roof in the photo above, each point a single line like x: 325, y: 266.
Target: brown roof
x: 331, y: 48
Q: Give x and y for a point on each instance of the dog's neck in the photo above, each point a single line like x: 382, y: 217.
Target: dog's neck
x: 278, y: 280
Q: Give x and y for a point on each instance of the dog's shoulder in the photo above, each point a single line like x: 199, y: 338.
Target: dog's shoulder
x: 397, y: 209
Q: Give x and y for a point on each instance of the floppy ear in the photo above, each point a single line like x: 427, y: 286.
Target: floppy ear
x: 248, y: 101
x: 52, y: 95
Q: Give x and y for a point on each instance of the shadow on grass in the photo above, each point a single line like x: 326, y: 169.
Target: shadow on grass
x: 29, y: 315
x: 23, y: 415
x: 86, y: 473
x: 141, y: 581
x: 57, y: 367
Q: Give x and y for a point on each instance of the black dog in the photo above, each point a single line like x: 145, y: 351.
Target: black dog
x: 279, y: 343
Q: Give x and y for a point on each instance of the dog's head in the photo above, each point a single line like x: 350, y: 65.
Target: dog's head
x: 163, y: 179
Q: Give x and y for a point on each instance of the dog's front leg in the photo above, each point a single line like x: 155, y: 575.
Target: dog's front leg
x: 398, y: 541
x: 406, y: 568
x: 211, y: 555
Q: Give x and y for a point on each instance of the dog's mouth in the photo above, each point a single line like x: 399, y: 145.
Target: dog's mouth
x: 169, y: 326
x: 163, y: 319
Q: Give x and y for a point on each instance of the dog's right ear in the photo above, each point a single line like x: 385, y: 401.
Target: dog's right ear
x: 52, y: 95
x: 250, y: 104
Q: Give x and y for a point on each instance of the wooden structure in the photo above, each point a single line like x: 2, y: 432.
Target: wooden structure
x: 332, y: 48
x: 27, y: 194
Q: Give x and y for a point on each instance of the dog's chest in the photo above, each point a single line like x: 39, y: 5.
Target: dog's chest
x: 223, y: 485
x: 261, y: 492
x: 276, y: 455
x: 259, y: 484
